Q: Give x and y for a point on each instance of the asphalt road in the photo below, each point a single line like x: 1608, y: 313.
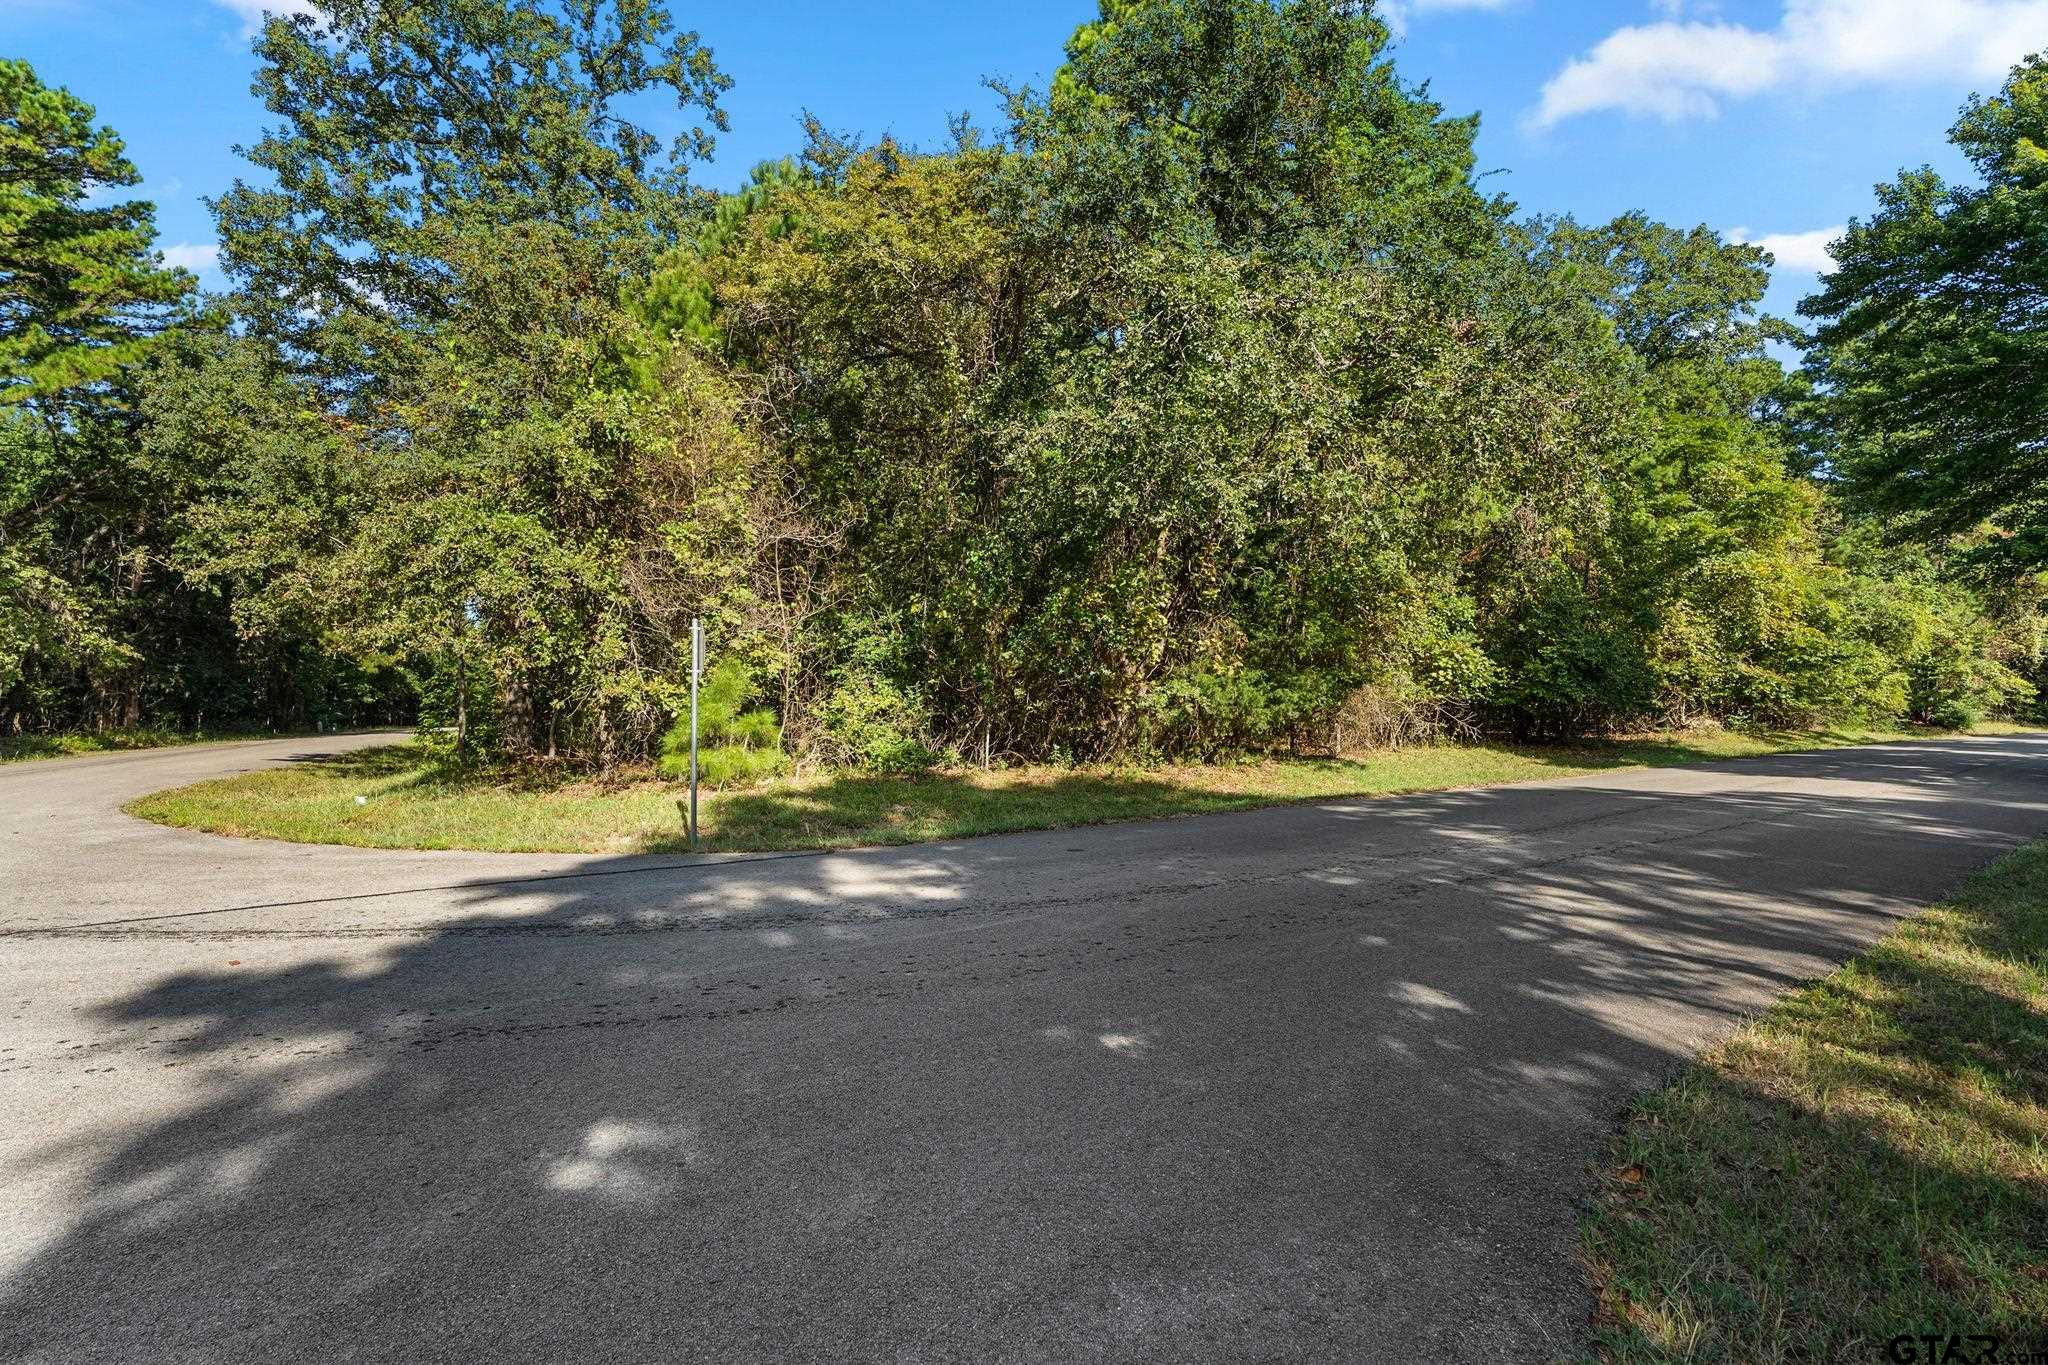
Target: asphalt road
x: 1314, y: 1083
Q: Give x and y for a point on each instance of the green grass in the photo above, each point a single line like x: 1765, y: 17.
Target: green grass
x: 1868, y: 1159
x: 399, y: 798
x: 20, y: 748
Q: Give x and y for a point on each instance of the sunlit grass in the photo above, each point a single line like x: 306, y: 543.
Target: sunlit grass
x: 1868, y: 1160
x: 400, y: 798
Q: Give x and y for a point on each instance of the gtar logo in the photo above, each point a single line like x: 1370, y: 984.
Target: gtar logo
x: 1940, y: 1350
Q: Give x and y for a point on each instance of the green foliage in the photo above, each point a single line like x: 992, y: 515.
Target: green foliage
x: 81, y: 288
x: 407, y: 130
x: 46, y: 623
x: 677, y: 302
x: 1140, y: 461
x: 1134, y: 469
x: 736, y: 744
x: 99, y: 625
x: 1285, y: 125
x: 868, y: 722
x: 1572, y: 660
x: 864, y: 719
x: 81, y: 296
x: 551, y: 529
x: 1713, y: 585
x: 1932, y: 349
x: 1961, y: 650
x: 457, y: 215
x: 1209, y: 409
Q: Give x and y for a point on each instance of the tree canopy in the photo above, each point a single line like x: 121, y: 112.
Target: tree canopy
x: 83, y: 296
x: 81, y: 287
x: 1932, y: 342
x: 404, y: 129
x: 1207, y: 404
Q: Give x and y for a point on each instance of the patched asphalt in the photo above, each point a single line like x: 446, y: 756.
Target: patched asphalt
x: 1320, y: 1082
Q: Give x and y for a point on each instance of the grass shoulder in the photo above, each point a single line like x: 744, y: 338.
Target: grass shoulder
x: 23, y: 748
x: 403, y: 797
x: 1867, y: 1160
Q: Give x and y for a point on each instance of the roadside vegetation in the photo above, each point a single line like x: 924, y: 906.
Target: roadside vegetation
x: 1206, y: 403
x: 414, y: 796
x: 1209, y: 407
x: 17, y: 748
x: 1867, y: 1160
x: 20, y: 748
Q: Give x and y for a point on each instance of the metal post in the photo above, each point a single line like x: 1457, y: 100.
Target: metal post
x: 696, y: 676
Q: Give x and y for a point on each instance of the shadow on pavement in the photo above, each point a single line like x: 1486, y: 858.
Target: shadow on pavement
x: 1321, y: 1082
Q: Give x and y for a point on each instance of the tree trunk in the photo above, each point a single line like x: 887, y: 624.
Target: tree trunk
x: 461, y: 706
x: 131, y: 698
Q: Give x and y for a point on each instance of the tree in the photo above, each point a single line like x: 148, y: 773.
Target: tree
x: 1286, y: 122
x: 554, y: 515
x: 408, y: 125
x: 50, y: 627
x: 258, y: 487
x: 1932, y: 349
x: 81, y: 288
x: 83, y: 296
x: 1699, y: 590
x: 1210, y: 406
x: 455, y: 244
x: 1161, y: 426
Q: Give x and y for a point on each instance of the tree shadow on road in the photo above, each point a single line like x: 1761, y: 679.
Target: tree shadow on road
x: 1865, y: 1162
x: 1325, y: 1076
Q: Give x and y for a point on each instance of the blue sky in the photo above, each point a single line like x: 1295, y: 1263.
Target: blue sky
x: 1768, y: 117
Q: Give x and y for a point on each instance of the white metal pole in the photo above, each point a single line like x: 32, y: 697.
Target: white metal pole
x: 696, y: 675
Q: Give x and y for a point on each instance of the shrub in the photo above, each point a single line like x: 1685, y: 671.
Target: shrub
x: 735, y: 745
x: 1954, y: 714
x: 868, y: 722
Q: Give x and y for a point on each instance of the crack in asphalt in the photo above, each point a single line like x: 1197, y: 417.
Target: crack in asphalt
x: 748, y: 920
x: 1220, y: 930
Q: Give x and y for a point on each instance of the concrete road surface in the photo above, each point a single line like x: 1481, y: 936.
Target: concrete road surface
x: 1313, y: 1083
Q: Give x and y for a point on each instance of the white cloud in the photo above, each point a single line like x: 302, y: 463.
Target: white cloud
x: 1398, y: 13
x: 252, y: 11
x: 192, y: 256
x: 1680, y: 70
x: 1795, y: 250
x: 1670, y: 70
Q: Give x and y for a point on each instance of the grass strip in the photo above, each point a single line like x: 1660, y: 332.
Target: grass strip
x: 1865, y: 1162
x: 22, y: 748
x: 401, y: 797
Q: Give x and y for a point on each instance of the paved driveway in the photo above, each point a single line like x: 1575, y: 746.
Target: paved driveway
x: 1313, y: 1083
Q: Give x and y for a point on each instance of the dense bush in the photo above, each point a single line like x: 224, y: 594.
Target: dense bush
x: 1208, y: 407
